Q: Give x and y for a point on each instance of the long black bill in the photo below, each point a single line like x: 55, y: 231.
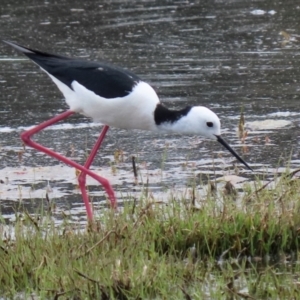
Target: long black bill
x: 221, y: 141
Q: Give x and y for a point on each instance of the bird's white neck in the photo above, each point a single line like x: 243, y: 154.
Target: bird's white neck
x: 182, y: 126
x: 171, y: 120
x: 177, y: 121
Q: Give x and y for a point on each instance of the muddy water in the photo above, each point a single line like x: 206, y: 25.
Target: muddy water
x: 227, y: 55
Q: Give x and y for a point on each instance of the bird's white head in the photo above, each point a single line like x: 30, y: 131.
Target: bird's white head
x: 203, y: 121
x: 199, y: 120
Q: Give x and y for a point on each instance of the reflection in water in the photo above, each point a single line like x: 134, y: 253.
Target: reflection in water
x: 227, y: 55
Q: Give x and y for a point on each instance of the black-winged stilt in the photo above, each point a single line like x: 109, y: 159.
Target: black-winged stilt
x: 117, y: 98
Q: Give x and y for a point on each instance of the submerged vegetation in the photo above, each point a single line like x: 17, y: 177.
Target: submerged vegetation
x: 200, y: 248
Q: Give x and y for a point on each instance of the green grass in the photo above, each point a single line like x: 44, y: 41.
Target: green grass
x: 221, y: 249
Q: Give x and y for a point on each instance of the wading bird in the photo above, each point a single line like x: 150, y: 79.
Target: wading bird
x: 118, y: 98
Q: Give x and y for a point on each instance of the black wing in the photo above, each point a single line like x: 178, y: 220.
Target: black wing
x: 103, y: 79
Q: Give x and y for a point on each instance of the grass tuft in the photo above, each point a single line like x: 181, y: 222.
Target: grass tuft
x: 182, y: 249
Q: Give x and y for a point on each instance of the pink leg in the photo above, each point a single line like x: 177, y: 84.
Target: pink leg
x: 82, y: 176
x: 26, y: 137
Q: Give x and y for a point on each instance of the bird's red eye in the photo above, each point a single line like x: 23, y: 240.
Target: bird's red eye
x: 210, y: 124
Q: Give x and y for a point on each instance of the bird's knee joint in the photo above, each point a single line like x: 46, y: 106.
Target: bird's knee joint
x: 25, y: 138
x: 82, y: 178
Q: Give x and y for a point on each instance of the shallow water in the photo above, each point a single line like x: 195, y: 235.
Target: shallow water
x: 227, y: 55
